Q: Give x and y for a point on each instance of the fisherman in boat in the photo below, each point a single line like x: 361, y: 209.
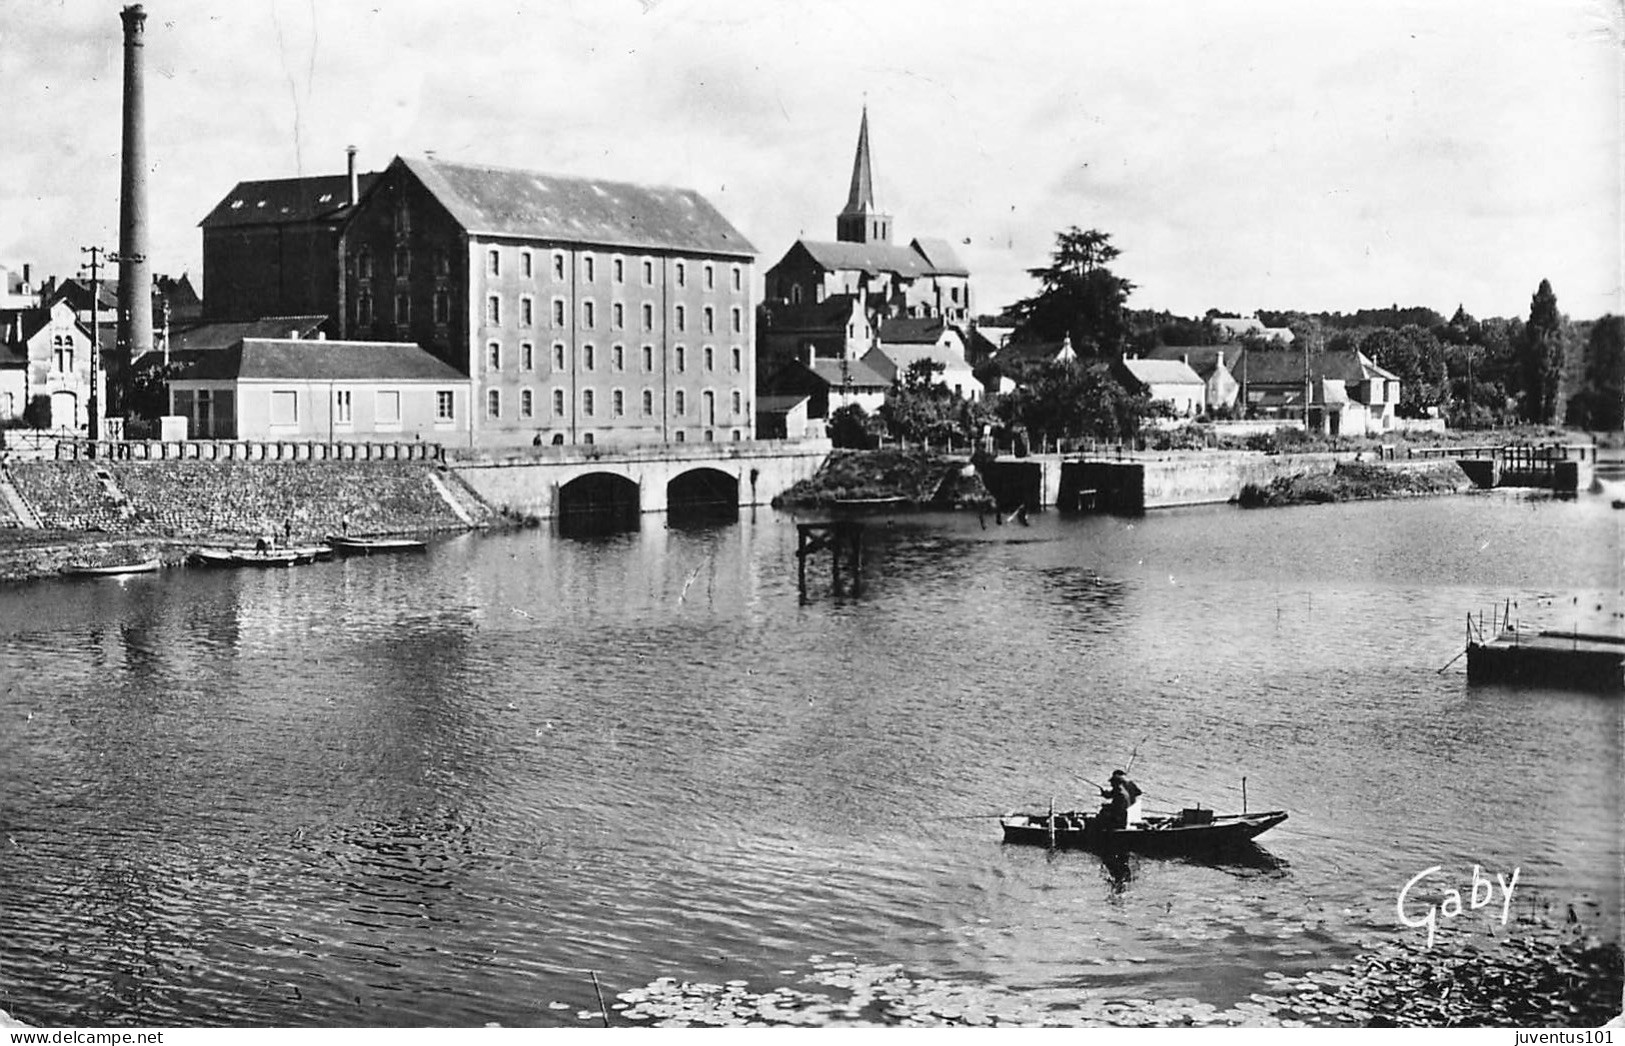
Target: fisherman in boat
x: 1123, y: 801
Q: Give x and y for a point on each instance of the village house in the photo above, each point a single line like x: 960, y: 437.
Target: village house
x: 1005, y: 369
x: 904, y: 341
x: 582, y: 310
x: 1169, y: 382
x: 839, y: 327
x: 45, y: 367
x: 1208, y: 361
x: 830, y: 384
x: 331, y: 391
x: 787, y: 417
x: 1234, y: 328
x: 1349, y: 395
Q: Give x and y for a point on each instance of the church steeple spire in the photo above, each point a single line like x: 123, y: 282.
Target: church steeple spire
x: 861, y: 221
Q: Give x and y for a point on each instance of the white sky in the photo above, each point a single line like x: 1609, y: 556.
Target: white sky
x: 1246, y: 154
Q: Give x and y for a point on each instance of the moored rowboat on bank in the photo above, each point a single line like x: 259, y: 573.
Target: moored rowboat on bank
x: 258, y: 557
x: 1189, y: 833
x: 146, y: 566
x: 359, y: 546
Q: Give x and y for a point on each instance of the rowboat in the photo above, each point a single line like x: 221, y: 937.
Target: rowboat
x: 146, y: 566
x: 258, y: 557
x: 1192, y: 832
x: 358, y: 546
x: 888, y: 501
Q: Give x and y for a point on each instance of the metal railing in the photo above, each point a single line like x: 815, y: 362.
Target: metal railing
x: 244, y: 450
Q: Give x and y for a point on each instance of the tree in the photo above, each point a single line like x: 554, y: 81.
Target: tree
x: 920, y: 407
x: 1061, y: 399
x: 1600, y: 404
x: 1416, y: 358
x: 149, y: 390
x: 1080, y: 297
x: 1540, y: 356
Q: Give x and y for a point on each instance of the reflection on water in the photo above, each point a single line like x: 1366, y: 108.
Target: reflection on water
x: 441, y: 790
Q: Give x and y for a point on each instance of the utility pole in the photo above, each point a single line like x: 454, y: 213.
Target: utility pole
x: 1307, y: 394
x: 95, y: 334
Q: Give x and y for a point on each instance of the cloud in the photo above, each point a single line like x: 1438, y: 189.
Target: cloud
x: 1262, y: 152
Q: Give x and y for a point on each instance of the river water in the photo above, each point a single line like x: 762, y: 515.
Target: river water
x: 450, y: 789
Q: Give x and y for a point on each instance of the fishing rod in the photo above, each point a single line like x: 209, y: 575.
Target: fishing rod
x: 1135, y: 754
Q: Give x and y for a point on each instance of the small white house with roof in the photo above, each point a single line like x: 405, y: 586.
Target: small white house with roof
x: 904, y: 341
x: 329, y: 391
x: 1166, y: 381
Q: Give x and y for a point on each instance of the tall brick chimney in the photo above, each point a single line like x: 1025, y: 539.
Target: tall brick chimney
x: 355, y: 182
x: 134, y: 272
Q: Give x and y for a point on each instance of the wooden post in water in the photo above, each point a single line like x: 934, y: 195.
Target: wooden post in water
x: 1244, y: 794
x: 857, y: 560
x: 841, y: 538
x: 1052, y: 822
x: 801, y: 563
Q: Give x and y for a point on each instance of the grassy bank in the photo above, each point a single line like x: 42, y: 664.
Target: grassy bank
x: 26, y: 555
x: 1357, y: 481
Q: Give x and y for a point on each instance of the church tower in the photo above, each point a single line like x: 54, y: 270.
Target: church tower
x: 860, y: 221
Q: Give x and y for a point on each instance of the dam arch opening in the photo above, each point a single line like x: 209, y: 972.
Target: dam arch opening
x: 701, y: 496
x: 598, y: 503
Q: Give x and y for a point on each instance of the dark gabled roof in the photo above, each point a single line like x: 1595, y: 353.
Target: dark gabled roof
x: 180, y: 292
x: 1286, y: 368
x: 500, y: 201
x: 940, y: 257
x: 829, y: 314
x: 780, y: 404
x: 18, y: 326
x: 288, y: 359
x: 838, y: 373
x: 872, y: 258
x: 911, y: 330
x: 213, y: 337
x: 279, y: 201
x: 76, y: 292
x: 1270, y: 368
x: 920, y: 258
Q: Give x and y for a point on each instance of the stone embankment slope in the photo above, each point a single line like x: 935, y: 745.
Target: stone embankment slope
x: 125, y: 511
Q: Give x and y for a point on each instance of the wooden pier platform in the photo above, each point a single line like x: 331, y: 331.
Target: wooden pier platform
x: 1572, y: 660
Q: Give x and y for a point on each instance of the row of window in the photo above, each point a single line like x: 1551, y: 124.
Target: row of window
x: 589, y: 267
x: 403, y: 263
x: 679, y: 436
x: 616, y: 360
x: 527, y: 313
x: 617, y: 403
x: 386, y: 410
x: 617, y: 269
x: 617, y: 315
